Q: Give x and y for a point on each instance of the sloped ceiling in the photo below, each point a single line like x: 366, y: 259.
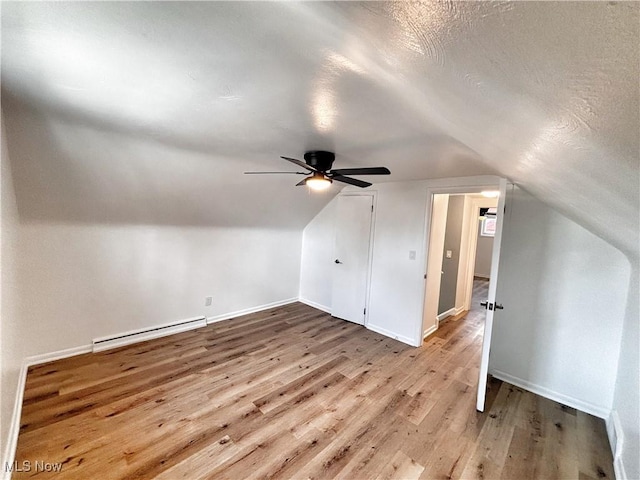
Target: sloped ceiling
x: 149, y: 112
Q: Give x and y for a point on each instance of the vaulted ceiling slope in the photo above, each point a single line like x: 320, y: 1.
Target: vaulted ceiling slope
x: 149, y: 112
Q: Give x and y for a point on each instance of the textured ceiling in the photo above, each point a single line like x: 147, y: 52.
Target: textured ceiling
x: 149, y: 112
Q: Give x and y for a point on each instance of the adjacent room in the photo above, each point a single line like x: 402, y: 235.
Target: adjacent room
x: 320, y: 240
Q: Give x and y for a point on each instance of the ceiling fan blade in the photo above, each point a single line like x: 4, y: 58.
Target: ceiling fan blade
x: 271, y: 173
x: 300, y: 163
x: 362, y: 171
x: 301, y: 183
x: 351, y: 181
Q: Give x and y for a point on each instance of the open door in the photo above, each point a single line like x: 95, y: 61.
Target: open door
x: 491, y: 304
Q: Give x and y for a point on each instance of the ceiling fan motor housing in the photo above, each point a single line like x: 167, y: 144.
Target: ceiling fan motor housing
x: 319, y: 159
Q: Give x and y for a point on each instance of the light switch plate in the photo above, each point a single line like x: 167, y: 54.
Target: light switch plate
x: 449, y: 253
x: 412, y: 254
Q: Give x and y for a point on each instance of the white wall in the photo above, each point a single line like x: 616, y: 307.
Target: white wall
x: 397, y: 283
x: 396, y: 280
x: 10, y: 340
x: 626, y: 403
x: 69, y: 279
x: 79, y: 282
x: 564, y: 292
x: 316, y: 266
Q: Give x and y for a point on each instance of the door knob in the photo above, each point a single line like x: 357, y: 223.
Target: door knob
x: 498, y: 306
x: 484, y: 304
x: 337, y: 261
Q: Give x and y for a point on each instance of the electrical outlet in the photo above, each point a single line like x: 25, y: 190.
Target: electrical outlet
x: 449, y: 253
x: 208, y: 301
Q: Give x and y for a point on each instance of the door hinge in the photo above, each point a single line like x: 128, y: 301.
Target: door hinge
x: 371, y: 208
x: 365, y: 311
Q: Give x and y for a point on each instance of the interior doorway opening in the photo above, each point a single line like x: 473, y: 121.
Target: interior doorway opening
x: 436, y: 221
x: 460, y: 249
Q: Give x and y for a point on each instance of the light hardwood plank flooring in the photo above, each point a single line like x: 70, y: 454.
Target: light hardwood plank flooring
x: 294, y: 393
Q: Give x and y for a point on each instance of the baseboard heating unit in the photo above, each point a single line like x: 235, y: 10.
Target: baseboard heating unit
x: 134, y: 336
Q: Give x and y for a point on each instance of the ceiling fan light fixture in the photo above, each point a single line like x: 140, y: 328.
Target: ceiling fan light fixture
x: 318, y: 182
x: 318, y: 163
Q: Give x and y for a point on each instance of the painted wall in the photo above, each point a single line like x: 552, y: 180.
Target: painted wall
x: 452, y: 236
x: 397, y: 283
x: 10, y: 340
x: 79, y: 282
x: 564, y: 291
x: 484, y: 249
x: 316, y: 266
x: 626, y: 402
x: 68, y: 280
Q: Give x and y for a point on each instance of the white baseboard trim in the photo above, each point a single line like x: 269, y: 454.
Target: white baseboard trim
x: 618, y: 469
x: 448, y: 313
x: 247, y: 311
x: 315, y: 305
x: 615, y: 434
x: 616, y: 441
x: 573, y: 402
x: 9, y: 453
x: 452, y: 312
x: 390, y: 334
x: 429, y: 331
x: 14, y: 426
x: 52, y: 356
x: 144, y: 334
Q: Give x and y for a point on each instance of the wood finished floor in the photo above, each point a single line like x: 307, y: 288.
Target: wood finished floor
x: 294, y: 393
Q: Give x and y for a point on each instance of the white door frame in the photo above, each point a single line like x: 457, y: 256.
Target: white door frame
x: 374, y: 195
x: 433, y: 282
x: 431, y: 191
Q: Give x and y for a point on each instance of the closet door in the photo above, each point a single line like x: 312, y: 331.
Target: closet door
x: 351, y: 264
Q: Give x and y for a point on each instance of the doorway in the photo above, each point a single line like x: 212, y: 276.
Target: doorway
x: 459, y: 250
x: 432, y: 277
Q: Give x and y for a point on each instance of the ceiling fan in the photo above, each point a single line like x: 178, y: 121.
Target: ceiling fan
x: 319, y: 174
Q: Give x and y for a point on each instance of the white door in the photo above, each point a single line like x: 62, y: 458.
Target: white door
x: 492, y: 303
x: 351, y: 263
